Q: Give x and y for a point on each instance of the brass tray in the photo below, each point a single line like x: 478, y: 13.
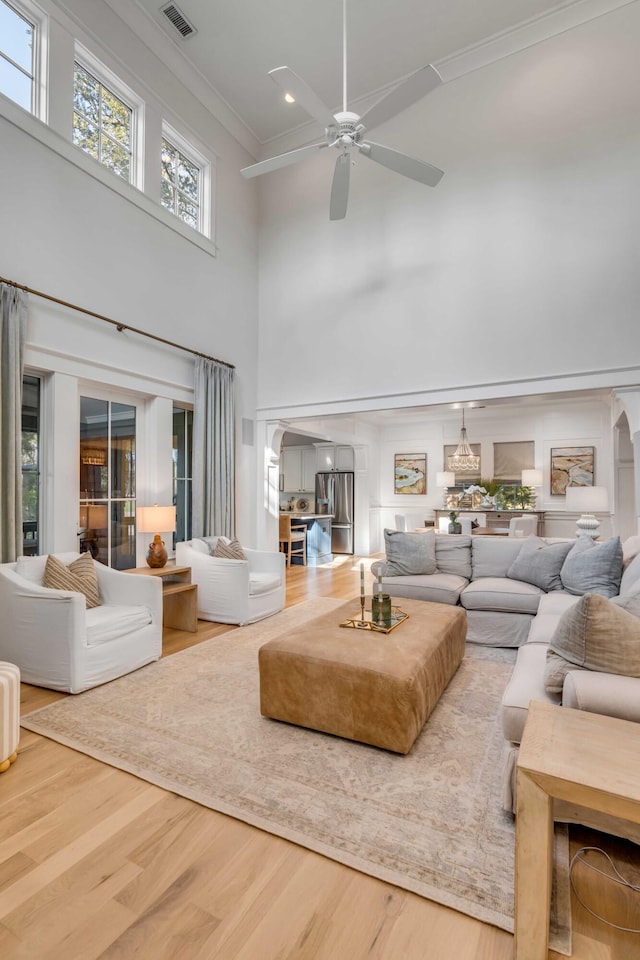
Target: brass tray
x: 356, y: 623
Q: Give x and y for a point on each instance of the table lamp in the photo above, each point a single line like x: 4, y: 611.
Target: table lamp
x: 533, y: 479
x: 151, y: 520
x: 586, y: 501
x: 445, y: 479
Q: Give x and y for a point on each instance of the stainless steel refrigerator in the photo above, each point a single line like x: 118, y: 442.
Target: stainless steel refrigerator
x: 336, y: 488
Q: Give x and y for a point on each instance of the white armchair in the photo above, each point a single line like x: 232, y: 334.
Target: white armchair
x: 234, y: 591
x: 57, y: 643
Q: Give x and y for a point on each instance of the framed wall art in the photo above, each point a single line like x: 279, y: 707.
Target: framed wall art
x: 410, y: 474
x: 571, y: 467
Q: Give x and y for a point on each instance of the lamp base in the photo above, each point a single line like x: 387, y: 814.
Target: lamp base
x: 588, y: 526
x: 156, y: 555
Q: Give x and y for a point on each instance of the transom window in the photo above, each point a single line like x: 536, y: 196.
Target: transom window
x: 17, y: 70
x: 102, y: 123
x: 181, y: 184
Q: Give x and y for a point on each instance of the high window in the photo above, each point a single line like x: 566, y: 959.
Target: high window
x: 17, y: 60
x: 103, y: 122
x: 107, y: 517
x: 184, y: 180
x: 30, y: 465
x: 182, y: 462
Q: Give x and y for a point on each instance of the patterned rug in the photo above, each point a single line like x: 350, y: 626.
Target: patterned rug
x: 430, y: 822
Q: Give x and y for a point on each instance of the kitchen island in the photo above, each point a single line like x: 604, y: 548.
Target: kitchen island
x: 318, y: 536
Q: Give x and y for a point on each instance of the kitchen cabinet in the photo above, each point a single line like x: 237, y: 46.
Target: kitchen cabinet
x: 298, y: 473
x: 334, y: 456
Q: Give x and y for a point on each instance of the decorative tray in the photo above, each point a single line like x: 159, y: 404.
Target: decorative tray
x: 397, y: 617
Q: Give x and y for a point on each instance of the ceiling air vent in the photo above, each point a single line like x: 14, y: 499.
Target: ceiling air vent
x: 178, y: 19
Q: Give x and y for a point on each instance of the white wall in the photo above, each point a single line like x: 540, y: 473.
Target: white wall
x: 520, y: 266
x: 65, y: 233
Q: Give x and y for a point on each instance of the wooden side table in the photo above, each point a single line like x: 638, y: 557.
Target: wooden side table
x: 179, y: 595
x: 580, y: 757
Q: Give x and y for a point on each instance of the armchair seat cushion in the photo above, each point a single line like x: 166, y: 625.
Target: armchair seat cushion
x: 110, y: 622
x: 260, y: 583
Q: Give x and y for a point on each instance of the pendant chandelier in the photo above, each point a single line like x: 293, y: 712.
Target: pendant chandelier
x: 463, y: 460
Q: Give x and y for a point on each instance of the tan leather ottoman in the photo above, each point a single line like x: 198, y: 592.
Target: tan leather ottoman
x: 373, y: 687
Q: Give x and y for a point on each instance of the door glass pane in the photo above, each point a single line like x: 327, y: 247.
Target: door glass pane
x: 94, y: 427
x: 30, y: 464
x: 123, y: 534
x: 123, y: 450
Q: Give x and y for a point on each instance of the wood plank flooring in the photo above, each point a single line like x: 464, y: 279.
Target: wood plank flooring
x: 95, y: 863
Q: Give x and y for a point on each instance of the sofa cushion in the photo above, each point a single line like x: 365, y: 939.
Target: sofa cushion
x: 502, y: 595
x: 409, y: 553
x: 32, y: 568
x: 629, y: 601
x: 79, y: 576
x: 540, y: 563
x: 492, y: 556
x: 229, y: 550
x: 526, y: 684
x: 631, y: 576
x: 453, y: 554
x: 436, y: 587
x: 260, y: 583
x: 594, y: 634
x: 592, y: 567
x: 110, y: 622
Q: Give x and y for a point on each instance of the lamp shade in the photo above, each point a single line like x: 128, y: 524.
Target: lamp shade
x: 587, y: 499
x: 445, y: 478
x: 532, y: 478
x: 156, y: 519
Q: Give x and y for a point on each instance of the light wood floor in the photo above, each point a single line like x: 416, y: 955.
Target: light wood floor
x: 96, y: 863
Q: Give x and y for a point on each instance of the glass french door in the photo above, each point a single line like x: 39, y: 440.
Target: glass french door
x: 107, y: 515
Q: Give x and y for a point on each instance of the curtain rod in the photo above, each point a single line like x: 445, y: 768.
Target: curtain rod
x: 116, y: 323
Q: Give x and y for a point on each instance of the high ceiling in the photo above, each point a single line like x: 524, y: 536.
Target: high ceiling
x: 239, y: 41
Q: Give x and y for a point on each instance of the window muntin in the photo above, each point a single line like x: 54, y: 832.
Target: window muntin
x: 181, y: 185
x: 17, y: 60
x: 102, y: 123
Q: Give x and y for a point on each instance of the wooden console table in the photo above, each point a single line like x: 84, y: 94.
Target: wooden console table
x: 179, y: 595
x: 584, y: 758
x: 495, y: 519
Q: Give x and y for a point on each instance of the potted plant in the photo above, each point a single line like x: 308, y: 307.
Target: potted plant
x: 454, y: 524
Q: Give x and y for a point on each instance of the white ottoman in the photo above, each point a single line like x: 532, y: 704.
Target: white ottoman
x: 9, y: 714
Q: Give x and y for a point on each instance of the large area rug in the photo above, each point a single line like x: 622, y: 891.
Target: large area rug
x: 430, y: 822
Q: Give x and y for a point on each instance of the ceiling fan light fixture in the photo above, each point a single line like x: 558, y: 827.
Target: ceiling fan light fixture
x: 289, y: 98
x: 464, y: 460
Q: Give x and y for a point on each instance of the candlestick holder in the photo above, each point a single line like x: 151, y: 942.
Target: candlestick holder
x: 362, y: 606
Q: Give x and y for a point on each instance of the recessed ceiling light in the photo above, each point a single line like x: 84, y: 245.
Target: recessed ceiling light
x: 289, y: 98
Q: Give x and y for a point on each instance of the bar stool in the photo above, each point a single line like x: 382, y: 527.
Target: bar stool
x: 295, y: 539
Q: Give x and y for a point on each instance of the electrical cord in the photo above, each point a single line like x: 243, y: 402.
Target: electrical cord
x: 617, y: 878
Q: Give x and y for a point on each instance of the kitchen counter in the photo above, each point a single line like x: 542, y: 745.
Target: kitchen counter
x: 318, y: 536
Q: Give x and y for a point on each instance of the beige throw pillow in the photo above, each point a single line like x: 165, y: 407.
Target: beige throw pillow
x: 80, y: 576
x: 231, y: 550
x: 594, y: 634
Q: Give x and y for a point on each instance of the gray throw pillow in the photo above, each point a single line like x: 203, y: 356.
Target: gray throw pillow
x: 540, y: 563
x: 593, y: 567
x: 593, y: 634
x: 409, y: 554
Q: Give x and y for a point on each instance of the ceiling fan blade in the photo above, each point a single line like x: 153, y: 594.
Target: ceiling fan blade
x: 291, y: 83
x: 340, y: 188
x: 401, y: 163
x: 417, y: 85
x: 282, y: 160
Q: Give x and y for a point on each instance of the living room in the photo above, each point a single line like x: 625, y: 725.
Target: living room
x: 514, y: 280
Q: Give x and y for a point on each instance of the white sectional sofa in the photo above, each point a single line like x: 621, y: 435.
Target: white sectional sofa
x: 507, y: 612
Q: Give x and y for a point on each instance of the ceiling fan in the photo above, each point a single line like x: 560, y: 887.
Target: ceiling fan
x: 344, y: 130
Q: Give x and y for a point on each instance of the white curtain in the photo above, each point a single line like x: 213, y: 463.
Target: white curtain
x: 213, y: 510
x: 13, y: 321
